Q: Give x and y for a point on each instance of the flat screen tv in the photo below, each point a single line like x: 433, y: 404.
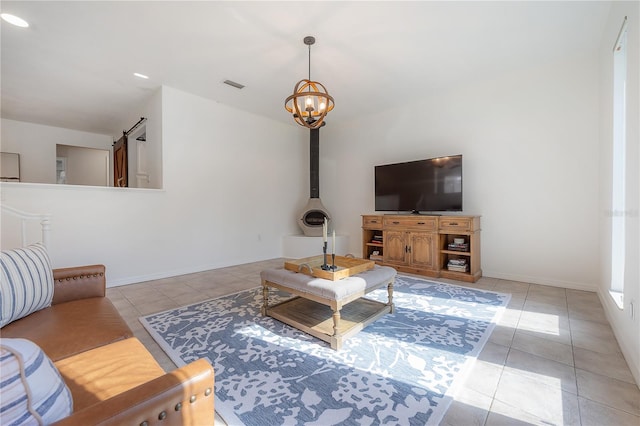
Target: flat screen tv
x: 431, y: 185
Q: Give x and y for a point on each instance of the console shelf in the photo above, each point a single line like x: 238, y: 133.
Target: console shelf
x: 434, y: 246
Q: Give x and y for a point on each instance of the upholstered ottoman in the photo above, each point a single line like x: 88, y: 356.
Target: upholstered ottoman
x: 329, y: 310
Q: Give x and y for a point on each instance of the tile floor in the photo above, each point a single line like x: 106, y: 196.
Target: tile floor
x: 552, y: 359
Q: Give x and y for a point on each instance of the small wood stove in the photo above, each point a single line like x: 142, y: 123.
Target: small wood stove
x: 314, y: 212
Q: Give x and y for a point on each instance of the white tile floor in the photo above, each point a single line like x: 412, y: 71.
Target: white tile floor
x: 552, y: 359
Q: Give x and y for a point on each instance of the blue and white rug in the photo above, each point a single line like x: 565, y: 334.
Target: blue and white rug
x: 401, y: 369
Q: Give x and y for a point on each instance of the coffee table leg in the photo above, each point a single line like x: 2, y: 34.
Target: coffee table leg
x: 390, y: 293
x: 265, y: 298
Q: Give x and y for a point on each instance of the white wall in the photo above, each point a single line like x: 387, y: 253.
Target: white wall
x: 36, y: 145
x: 624, y: 325
x: 529, y: 142
x: 233, y: 183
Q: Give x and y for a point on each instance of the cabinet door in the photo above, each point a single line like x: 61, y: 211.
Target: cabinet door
x: 423, y: 249
x: 395, y: 244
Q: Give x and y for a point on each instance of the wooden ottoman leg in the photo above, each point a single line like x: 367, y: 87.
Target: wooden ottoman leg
x: 336, y: 339
x: 265, y: 298
x: 390, y: 293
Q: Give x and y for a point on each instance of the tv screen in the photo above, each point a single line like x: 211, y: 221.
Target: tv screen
x: 430, y: 185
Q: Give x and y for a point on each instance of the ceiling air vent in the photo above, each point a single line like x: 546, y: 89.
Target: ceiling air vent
x: 233, y: 84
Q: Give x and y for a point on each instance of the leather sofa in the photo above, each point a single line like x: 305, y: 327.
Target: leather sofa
x: 112, y: 377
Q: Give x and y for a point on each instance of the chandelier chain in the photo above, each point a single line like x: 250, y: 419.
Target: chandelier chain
x: 309, y: 62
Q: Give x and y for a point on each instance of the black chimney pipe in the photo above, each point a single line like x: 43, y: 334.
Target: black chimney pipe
x: 314, y: 163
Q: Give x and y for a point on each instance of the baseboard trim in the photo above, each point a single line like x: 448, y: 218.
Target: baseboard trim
x: 172, y: 273
x: 613, y: 317
x: 541, y: 280
x: 158, y: 276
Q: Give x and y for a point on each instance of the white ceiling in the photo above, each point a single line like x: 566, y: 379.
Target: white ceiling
x: 73, y: 67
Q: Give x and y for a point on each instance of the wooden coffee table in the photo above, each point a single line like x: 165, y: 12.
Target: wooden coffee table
x: 330, y: 310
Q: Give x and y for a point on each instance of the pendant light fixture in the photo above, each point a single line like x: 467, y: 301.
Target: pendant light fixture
x: 310, y: 101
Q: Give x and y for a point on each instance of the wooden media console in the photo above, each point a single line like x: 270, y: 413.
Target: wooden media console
x: 434, y: 246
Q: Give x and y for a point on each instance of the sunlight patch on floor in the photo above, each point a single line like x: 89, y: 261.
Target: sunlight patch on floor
x: 540, y: 323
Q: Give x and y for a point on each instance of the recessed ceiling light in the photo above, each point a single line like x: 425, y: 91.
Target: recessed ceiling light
x: 15, y: 20
x: 137, y: 74
x: 233, y: 84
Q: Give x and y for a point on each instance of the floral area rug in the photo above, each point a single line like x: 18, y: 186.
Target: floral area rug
x: 401, y: 369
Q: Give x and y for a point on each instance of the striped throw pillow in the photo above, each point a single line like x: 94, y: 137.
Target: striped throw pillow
x: 26, y: 282
x: 32, y: 389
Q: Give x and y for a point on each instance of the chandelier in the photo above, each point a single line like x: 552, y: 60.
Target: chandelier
x: 310, y: 101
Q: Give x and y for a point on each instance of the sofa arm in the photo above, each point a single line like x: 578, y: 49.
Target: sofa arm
x: 80, y: 282
x: 182, y: 397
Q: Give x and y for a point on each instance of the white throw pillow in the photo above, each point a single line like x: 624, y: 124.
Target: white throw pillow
x: 26, y: 282
x: 32, y: 389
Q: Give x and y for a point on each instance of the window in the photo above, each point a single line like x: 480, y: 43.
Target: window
x: 618, y: 166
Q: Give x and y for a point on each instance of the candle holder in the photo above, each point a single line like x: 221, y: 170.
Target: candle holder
x: 324, y: 266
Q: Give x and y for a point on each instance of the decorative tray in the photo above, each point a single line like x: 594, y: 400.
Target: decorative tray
x: 345, y: 266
